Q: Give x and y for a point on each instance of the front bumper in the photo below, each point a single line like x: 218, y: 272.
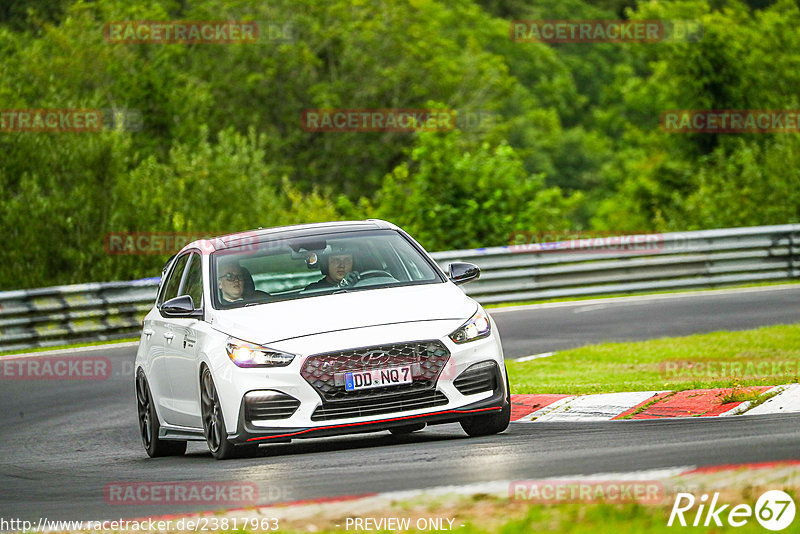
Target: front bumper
x: 247, y: 433
x: 234, y: 384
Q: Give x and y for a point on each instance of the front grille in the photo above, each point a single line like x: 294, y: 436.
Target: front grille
x: 477, y: 378
x: 427, y: 359
x: 362, y: 407
x: 269, y: 405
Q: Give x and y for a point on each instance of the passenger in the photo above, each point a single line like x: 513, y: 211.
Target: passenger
x: 231, y: 282
x: 335, y: 265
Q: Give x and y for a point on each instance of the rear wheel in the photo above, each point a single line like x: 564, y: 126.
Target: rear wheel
x: 407, y: 429
x: 214, y: 424
x: 485, y: 425
x: 149, y: 426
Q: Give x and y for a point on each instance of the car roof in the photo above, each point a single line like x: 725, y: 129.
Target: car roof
x: 251, y: 237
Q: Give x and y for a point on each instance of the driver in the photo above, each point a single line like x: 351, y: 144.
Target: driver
x: 335, y: 265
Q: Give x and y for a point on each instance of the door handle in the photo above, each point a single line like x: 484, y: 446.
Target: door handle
x: 148, y: 332
x: 168, y: 336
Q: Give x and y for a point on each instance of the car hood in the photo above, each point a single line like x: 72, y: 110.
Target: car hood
x: 279, y: 321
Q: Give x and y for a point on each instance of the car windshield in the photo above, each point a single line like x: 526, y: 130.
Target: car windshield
x: 286, y: 269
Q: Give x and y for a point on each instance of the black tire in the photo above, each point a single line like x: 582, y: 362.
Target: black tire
x: 407, y: 429
x: 486, y: 425
x: 214, y: 424
x: 149, y: 426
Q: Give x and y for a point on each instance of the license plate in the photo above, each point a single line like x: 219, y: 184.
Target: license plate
x: 377, y: 378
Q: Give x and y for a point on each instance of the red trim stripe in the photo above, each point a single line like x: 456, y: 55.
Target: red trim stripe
x: 731, y: 467
x: 374, y: 422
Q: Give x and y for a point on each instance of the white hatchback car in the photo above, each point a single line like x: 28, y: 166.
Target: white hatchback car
x: 314, y: 330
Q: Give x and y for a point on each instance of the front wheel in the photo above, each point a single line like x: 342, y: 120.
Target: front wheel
x: 214, y: 424
x: 149, y: 426
x: 486, y: 425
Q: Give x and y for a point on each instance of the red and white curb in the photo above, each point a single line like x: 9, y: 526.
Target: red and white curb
x: 787, y: 401
x: 651, y: 404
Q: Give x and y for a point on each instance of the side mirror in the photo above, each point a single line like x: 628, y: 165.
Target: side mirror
x: 461, y: 273
x: 182, y: 306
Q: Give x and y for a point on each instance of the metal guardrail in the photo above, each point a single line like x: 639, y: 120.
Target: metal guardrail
x: 571, y: 268
x: 702, y: 259
x: 73, y: 314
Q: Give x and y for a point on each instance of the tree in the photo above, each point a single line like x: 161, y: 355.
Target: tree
x: 450, y: 197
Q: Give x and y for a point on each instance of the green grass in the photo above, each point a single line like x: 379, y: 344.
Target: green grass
x: 640, y: 293
x: 485, y: 514
x: 601, y: 519
x: 739, y: 394
x: 588, y: 519
x: 639, y: 366
x: 68, y: 346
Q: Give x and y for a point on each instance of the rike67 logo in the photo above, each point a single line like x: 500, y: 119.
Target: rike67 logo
x: 774, y: 510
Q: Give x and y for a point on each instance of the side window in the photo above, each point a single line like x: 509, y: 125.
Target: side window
x: 194, y: 281
x: 174, y: 281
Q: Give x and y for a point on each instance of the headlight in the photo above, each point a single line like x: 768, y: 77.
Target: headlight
x: 477, y: 327
x: 245, y: 354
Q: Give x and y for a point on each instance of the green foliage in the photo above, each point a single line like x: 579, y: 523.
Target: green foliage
x: 660, y: 180
x: 208, y: 188
x: 452, y: 197
x: 575, y: 144
x: 731, y: 185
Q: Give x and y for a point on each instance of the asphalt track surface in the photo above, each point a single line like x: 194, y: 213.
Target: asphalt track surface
x: 64, y: 441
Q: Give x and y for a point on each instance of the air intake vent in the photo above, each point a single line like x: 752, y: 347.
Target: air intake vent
x: 260, y: 405
x: 479, y: 377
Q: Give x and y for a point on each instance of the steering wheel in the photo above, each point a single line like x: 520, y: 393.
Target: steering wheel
x: 354, y: 277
